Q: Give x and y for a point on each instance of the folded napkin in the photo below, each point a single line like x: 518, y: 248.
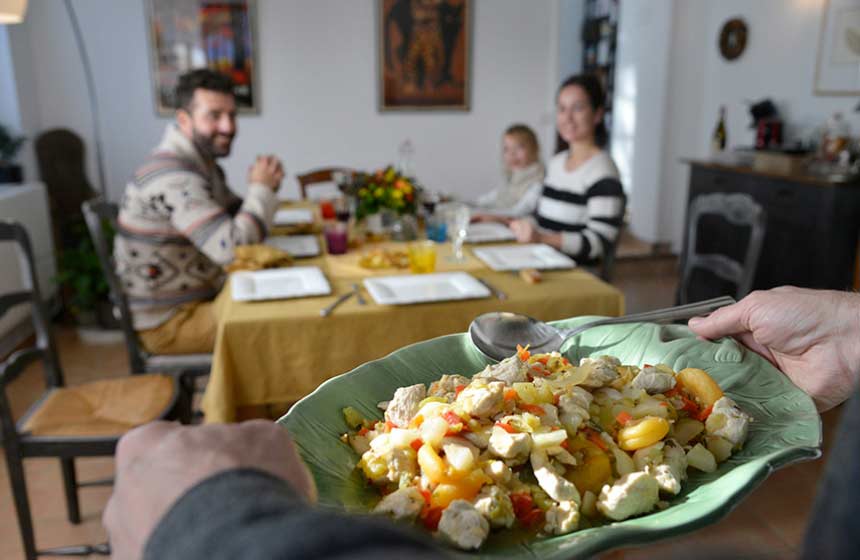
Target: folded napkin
x: 257, y: 257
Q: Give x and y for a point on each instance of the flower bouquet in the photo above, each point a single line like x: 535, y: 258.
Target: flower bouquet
x: 385, y: 189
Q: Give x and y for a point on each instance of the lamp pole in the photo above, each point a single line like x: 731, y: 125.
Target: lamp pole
x: 93, y: 98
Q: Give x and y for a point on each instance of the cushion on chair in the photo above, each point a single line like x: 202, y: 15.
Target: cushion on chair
x: 102, y: 408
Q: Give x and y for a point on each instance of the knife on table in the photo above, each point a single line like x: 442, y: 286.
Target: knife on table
x: 496, y: 292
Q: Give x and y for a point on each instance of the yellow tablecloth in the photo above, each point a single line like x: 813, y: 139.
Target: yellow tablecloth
x: 279, y: 351
x: 275, y: 352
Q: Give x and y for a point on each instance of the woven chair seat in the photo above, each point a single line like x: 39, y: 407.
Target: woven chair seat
x: 101, y: 408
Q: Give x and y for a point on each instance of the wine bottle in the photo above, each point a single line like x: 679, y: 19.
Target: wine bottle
x: 718, y: 141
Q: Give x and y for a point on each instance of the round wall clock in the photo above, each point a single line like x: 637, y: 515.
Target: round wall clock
x: 733, y: 38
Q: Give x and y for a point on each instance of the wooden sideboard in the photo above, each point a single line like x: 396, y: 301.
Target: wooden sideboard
x: 812, y: 227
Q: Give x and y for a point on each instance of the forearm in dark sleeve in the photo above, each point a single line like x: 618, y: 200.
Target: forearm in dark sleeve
x: 250, y: 514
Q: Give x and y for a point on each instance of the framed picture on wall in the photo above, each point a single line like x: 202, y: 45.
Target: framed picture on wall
x: 424, y: 54
x: 216, y: 34
x: 837, y: 71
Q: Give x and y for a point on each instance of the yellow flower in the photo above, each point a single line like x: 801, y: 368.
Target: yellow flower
x: 378, y: 192
x: 398, y: 195
x: 407, y: 189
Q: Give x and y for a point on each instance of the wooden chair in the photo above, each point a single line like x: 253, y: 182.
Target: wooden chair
x: 98, y: 214
x: 86, y: 420
x: 322, y: 175
x: 738, y: 210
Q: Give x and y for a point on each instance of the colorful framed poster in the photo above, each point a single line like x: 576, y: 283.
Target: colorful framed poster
x: 216, y: 34
x: 424, y: 54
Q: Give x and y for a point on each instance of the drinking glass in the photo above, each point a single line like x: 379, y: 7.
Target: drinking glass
x: 336, y: 238
x: 422, y: 257
x: 457, y: 220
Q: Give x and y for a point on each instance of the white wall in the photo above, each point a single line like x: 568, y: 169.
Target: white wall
x: 641, y: 90
x: 317, y: 71
x: 779, y: 62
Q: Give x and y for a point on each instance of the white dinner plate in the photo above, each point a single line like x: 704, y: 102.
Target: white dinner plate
x: 421, y: 288
x: 488, y: 232
x: 517, y: 257
x: 296, y: 245
x: 294, y: 217
x: 279, y: 283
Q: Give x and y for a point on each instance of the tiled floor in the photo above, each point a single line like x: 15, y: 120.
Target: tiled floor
x: 768, y: 524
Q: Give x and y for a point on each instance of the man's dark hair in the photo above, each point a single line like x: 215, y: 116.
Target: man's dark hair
x: 202, y: 78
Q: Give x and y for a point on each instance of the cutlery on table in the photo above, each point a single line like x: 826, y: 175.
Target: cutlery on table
x: 495, y: 291
x: 357, y: 289
x: 326, y: 311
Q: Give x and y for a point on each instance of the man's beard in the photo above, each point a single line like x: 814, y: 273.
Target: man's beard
x: 207, y: 147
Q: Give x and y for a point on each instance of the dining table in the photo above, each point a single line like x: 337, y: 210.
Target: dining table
x: 277, y: 351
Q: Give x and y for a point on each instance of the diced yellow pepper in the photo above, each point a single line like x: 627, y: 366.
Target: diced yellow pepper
x: 593, y: 471
x: 646, y: 432
x: 700, y: 385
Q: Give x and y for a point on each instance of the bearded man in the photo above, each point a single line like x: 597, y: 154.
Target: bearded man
x: 179, y: 222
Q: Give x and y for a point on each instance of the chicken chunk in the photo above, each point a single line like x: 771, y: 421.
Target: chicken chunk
x: 574, y: 409
x: 495, y: 504
x: 482, y: 401
x: 550, y: 415
x: 654, y: 380
x: 382, y: 467
x: 463, y: 525
x: 446, y: 386
x: 562, y: 518
x: 513, y: 447
x: 403, y: 505
x: 557, y: 487
x: 509, y: 371
x: 498, y: 471
x: 728, y: 421
x: 601, y: 371
x: 666, y: 479
x: 404, y: 405
x: 632, y: 494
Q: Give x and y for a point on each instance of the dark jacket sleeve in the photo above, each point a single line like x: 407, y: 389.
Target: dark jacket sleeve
x: 249, y: 514
x: 833, y: 528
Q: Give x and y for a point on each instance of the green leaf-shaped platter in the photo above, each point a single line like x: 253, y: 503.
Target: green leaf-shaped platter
x: 786, y: 428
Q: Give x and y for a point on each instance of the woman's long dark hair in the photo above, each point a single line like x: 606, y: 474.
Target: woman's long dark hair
x: 596, y: 96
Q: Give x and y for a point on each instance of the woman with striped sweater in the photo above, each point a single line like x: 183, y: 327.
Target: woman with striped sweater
x: 582, y: 203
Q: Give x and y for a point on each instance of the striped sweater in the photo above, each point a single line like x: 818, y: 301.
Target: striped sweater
x: 585, y: 205
x: 178, y: 225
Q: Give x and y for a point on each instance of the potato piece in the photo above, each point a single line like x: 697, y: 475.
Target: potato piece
x: 702, y: 459
x: 700, y: 385
x: 526, y: 392
x: 646, y: 432
x: 686, y: 429
x: 720, y: 447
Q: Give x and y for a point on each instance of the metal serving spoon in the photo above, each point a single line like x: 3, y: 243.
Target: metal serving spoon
x: 497, y: 334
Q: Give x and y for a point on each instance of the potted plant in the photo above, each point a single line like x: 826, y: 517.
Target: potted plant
x: 9, y: 147
x: 81, y: 276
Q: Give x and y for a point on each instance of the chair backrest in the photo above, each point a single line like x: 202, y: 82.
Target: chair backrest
x: 322, y: 175
x: 61, y: 156
x: 98, y: 213
x: 738, y: 210
x: 44, y: 348
x: 607, y: 263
